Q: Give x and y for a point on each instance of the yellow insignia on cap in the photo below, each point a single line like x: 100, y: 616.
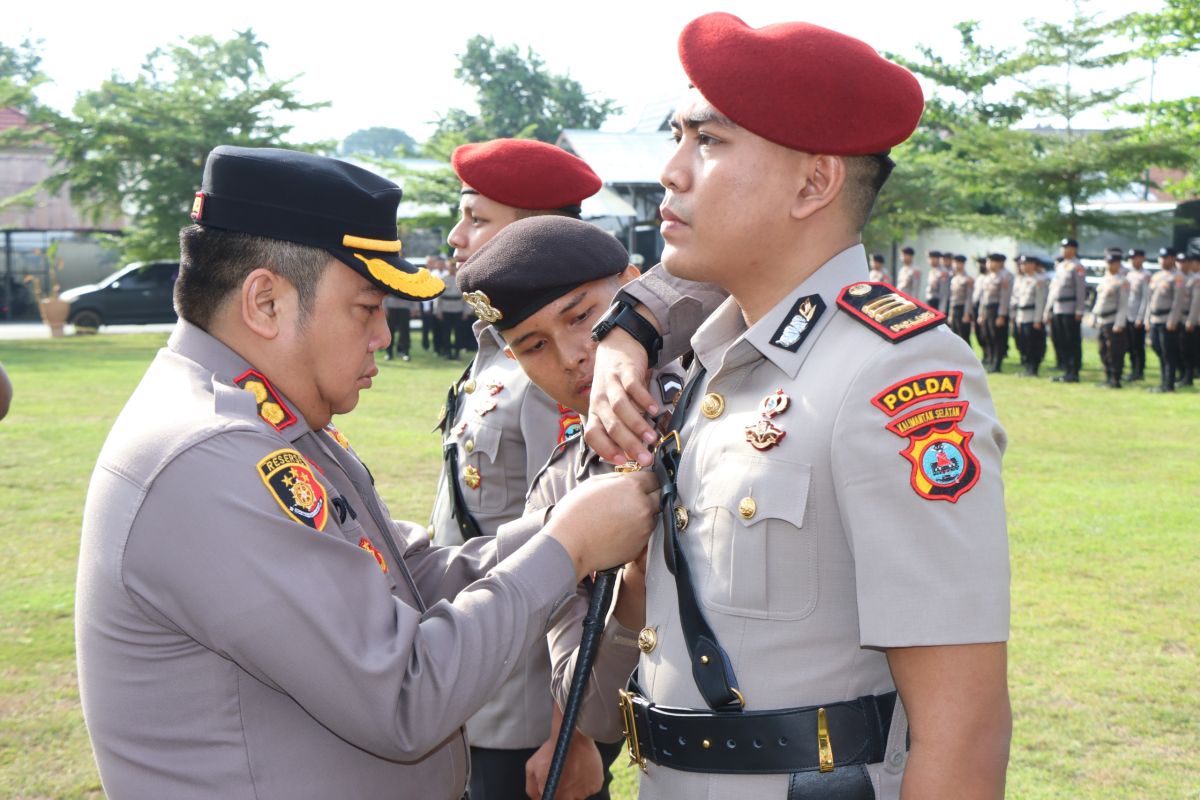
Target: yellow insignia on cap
x: 378, y: 245
x: 419, y: 285
x: 482, y: 306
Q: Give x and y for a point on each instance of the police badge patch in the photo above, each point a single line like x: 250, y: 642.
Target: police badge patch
x: 291, y: 482
x: 799, y: 322
x: 943, y: 466
x: 569, y: 423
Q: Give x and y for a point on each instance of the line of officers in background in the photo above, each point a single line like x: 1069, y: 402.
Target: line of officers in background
x: 1043, y: 297
x: 445, y: 322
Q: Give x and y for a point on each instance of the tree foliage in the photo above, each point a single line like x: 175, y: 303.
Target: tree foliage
x: 379, y: 142
x: 970, y: 167
x: 518, y: 97
x: 1172, y: 31
x: 139, y: 144
x: 20, y: 75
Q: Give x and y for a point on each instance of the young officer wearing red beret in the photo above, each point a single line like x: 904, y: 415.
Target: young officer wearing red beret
x: 828, y: 595
x: 498, y: 431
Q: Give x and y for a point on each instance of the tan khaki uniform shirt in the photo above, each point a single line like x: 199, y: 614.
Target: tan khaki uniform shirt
x: 1028, y: 299
x: 1068, y: 290
x: 1112, y: 302
x: 996, y: 289
x: 962, y: 290
x: 1139, y: 285
x: 572, y: 463
x: 908, y: 280
x: 1166, y: 298
x: 876, y: 275
x: 504, y: 430
x: 937, y: 291
x: 815, y: 555
x: 243, y: 628
x: 1193, y: 287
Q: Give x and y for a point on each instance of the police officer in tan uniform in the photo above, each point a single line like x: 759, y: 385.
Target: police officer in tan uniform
x: 962, y: 293
x: 1139, y: 282
x: 908, y: 277
x: 1110, y: 315
x: 995, y: 296
x: 834, y: 515
x: 250, y: 622
x: 1064, y: 311
x: 876, y: 272
x: 1028, y: 305
x: 937, y: 288
x: 1164, y: 312
x: 499, y: 429
x: 1189, y: 333
x: 542, y: 283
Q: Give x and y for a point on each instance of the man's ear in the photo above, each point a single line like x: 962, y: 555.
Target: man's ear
x: 508, y: 352
x: 824, y: 176
x: 630, y: 273
x: 262, y: 292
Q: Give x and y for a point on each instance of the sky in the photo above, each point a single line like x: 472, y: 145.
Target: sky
x: 393, y: 65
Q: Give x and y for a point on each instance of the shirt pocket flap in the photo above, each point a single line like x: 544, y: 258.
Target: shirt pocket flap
x: 756, y: 488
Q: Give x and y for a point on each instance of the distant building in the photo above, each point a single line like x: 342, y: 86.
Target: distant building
x: 27, y: 229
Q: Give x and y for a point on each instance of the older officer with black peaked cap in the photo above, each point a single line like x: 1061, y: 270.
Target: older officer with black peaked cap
x: 834, y: 513
x: 250, y: 622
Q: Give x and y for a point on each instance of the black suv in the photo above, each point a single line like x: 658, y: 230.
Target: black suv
x: 137, y: 293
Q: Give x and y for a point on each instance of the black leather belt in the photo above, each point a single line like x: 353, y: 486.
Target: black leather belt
x: 1026, y: 308
x: 814, y: 738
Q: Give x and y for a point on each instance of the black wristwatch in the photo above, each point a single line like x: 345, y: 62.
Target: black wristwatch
x: 621, y: 315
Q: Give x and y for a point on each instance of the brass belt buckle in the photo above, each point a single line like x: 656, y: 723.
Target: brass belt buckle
x: 630, y: 722
x: 824, y: 746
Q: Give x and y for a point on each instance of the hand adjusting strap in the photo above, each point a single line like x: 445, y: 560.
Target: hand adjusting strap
x: 711, y: 667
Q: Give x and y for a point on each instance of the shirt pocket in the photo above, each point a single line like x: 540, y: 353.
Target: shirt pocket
x: 354, y: 533
x: 491, y: 494
x: 762, y: 560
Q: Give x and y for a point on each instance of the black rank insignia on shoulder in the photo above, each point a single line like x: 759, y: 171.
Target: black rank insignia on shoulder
x: 270, y: 406
x: 799, y: 322
x: 889, y: 312
x: 670, y: 386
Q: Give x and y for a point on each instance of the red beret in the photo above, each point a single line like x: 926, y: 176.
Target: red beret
x: 525, y: 173
x: 801, y: 86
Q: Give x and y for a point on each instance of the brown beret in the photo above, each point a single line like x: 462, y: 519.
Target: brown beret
x: 533, y: 262
x: 801, y: 85
x: 525, y: 173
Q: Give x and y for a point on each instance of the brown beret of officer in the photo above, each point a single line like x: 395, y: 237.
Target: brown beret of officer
x: 533, y: 262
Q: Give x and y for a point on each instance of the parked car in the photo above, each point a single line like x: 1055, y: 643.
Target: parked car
x: 137, y: 293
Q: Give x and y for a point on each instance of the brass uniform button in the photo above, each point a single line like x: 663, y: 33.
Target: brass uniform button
x: 469, y: 386
x: 747, y: 508
x: 712, y: 405
x: 647, y: 640
x: 469, y: 446
x: 681, y: 519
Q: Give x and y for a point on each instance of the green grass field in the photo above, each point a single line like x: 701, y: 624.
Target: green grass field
x: 1103, y: 494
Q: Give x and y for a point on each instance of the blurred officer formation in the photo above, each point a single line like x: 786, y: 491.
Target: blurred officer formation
x: 1039, y: 302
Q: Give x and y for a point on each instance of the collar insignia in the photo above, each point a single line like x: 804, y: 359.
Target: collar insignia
x: 799, y: 322
x: 270, y: 406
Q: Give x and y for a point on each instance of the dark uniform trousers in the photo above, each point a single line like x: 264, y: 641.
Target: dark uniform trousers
x: 399, y: 321
x: 1165, y: 344
x: 1189, y: 354
x: 500, y: 774
x: 959, y: 325
x: 1113, y: 345
x: 1068, y: 342
x: 993, y: 338
x: 1137, y: 351
x: 1032, y: 343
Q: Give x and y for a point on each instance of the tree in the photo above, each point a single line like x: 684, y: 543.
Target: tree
x: 1172, y: 31
x: 379, y: 142
x: 20, y: 75
x: 140, y: 144
x: 518, y: 97
x: 1031, y: 183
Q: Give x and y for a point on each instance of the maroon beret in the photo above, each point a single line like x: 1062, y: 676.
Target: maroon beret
x: 801, y: 86
x: 525, y: 173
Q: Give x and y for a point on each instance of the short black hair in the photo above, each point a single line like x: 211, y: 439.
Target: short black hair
x: 214, y: 262
x: 865, y: 176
